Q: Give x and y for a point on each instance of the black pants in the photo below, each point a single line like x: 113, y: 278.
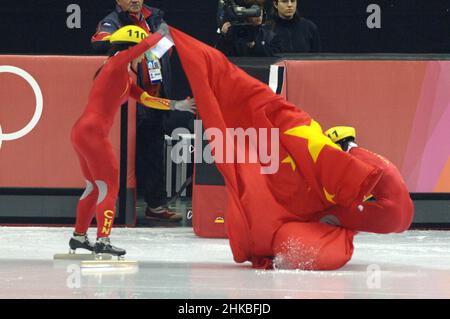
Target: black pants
x: 150, y: 168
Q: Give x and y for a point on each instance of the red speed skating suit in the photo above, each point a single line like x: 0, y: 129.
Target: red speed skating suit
x: 277, y: 216
x: 326, y: 241
x: 391, y: 211
x: 111, y: 88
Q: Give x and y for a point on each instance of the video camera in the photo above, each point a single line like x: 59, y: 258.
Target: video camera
x: 236, y: 11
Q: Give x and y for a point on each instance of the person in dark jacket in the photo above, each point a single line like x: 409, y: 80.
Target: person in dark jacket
x: 254, y: 39
x: 155, y: 78
x: 296, y: 34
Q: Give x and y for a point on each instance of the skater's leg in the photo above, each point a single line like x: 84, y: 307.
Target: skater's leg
x: 103, y: 166
x: 105, y: 173
x: 87, y: 202
x: 312, y: 246
x: 91, y: 141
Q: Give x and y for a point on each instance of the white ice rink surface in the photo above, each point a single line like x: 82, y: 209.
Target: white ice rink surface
x: 174, y: 263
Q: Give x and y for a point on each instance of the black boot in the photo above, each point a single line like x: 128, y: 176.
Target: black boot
x: 80, y: 242
x: 103, y: 246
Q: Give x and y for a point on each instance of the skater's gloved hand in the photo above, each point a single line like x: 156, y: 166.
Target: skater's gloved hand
x: 187, y: 105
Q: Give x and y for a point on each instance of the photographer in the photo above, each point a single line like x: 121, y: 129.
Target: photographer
x: 244, y: 34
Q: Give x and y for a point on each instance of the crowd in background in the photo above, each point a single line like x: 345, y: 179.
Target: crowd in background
x: 264, y: 28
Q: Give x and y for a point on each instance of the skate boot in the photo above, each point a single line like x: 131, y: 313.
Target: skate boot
x: 80, y: 242
x: 344, y: 136
x: 103, y: 246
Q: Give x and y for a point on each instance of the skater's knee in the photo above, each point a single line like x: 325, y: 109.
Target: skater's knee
x: 90, y: 190
x: 106, y: 189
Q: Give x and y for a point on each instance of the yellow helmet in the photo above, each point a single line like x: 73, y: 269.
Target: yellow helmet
x: 339, y: 133
x: 128, y: 34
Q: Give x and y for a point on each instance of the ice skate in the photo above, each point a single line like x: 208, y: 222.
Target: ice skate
x: 80, y: 242
x: 103, y: 247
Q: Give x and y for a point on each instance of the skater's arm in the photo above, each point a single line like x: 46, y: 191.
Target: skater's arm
x: 147, y: 100
x: 142, y: 97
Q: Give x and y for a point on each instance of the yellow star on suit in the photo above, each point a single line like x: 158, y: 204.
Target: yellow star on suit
x: 316, y: 142
x: 315, y: 137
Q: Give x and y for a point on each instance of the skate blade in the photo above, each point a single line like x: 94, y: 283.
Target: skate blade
x: 105, y: 264
x: 80, y: 257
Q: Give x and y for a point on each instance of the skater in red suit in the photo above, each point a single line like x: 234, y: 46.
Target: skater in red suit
x: 326, y: 241
x: 305, y: 214
x: 111, y: 88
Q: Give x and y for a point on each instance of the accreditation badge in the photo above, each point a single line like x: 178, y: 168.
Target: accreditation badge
x: 154, y: 69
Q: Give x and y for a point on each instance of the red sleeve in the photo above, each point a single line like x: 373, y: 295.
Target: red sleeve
x: 128, y: 55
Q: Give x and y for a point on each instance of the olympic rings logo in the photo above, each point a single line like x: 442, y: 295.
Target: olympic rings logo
x: 38, y: 109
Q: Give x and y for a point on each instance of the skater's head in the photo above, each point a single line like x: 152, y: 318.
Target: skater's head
x: 126, y: 37
x: 123, y: 39
x: 132, y: 6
